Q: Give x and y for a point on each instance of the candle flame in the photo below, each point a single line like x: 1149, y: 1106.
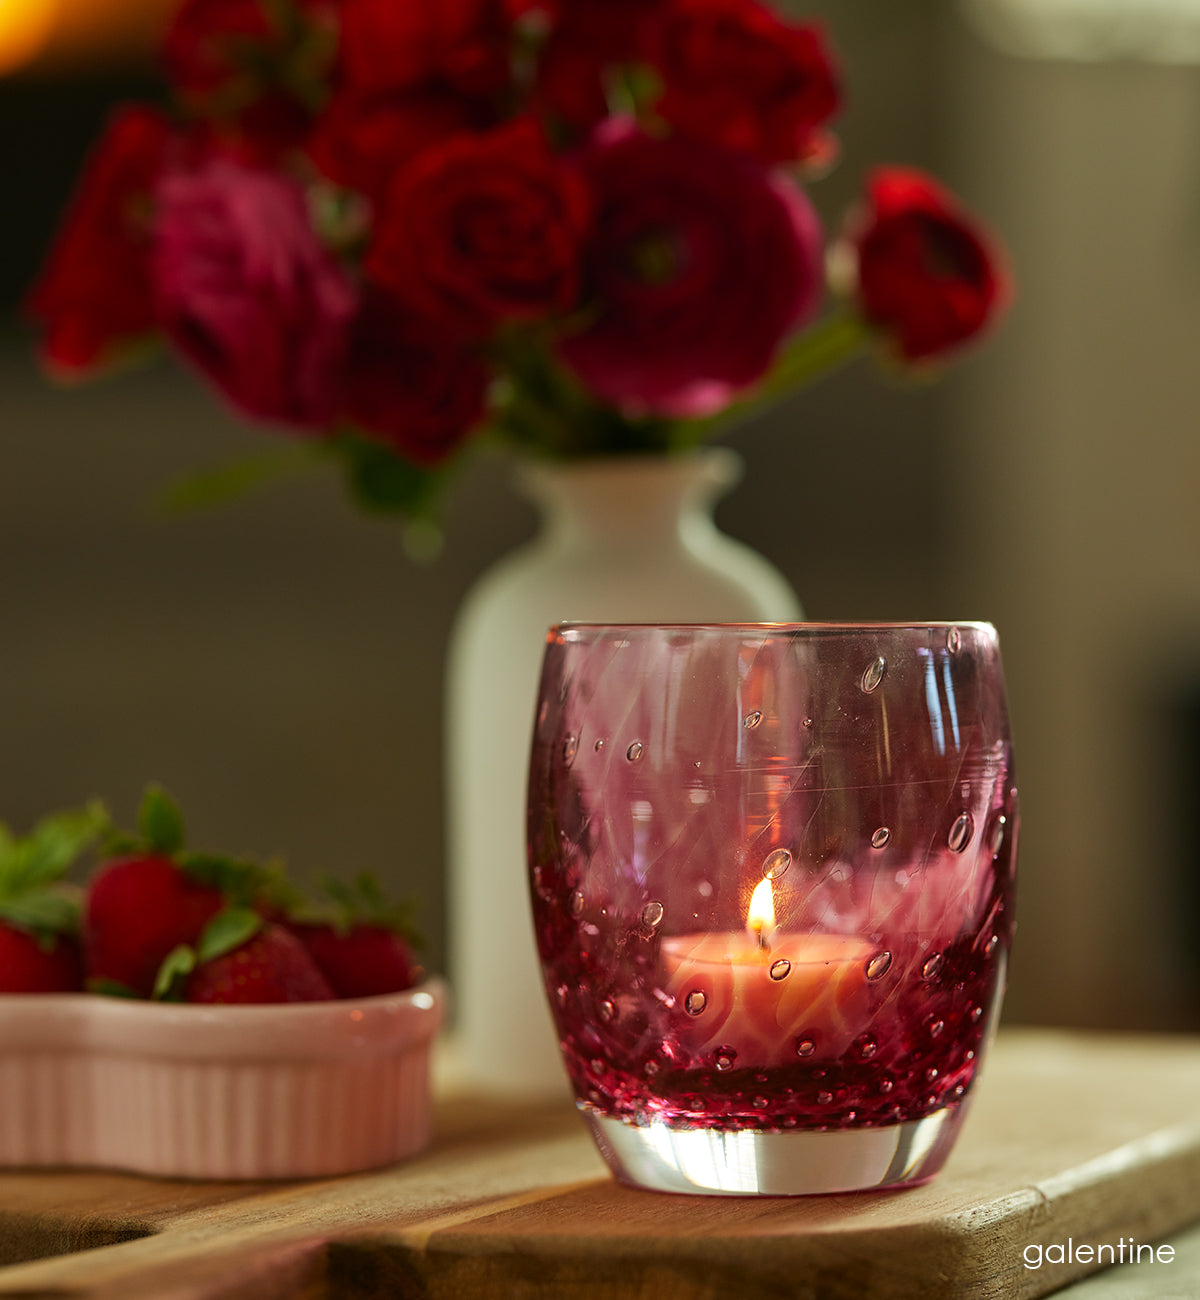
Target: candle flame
x: 760, y: 916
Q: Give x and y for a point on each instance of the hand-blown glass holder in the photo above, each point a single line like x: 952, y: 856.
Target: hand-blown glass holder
x: 772, y: 880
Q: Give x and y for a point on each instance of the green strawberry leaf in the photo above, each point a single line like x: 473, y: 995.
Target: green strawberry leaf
x: 42, y: 913
x: 177, y: 965
x: 276, y: 892
x: 160, y: 821
x: 116, y: 843
x: 109, y: 988
x: 363, y: 901
x: 226, y: 931
x: 239, y: 879
x: 49, y: 850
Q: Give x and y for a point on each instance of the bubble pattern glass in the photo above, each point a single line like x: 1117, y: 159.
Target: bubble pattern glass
x: 772, y: 877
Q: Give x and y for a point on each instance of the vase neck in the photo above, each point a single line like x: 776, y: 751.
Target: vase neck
x: 634, y: 502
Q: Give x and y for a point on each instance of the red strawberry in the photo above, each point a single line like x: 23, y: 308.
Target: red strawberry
x: 153, y: 899
x: 362, y: 942
x: 137, y: 910
x: 32, y: 965
x: 272, y: 966
x: 39, y: 916
x: 361, y: 961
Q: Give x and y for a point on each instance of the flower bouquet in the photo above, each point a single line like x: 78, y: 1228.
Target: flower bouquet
x: 576, y: 227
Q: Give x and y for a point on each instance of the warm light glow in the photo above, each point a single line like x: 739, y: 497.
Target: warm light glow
x: 64, y: 35
x: 24, y: 28
x: 760, y: 916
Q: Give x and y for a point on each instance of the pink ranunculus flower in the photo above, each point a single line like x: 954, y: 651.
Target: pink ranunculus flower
x: 246, y: 291
x: 700, y: 263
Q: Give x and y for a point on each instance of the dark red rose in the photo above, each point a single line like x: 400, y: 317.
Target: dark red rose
x: 248, y: 294
x: 411, y: 385
x: 95, y: 292
x: 589, y: 41
x: 570, y: 82
x: 738, y: 75
x: 700, y: 263
x: 926, y: 272
x: 463, y: 45
x: 361, y: 141
x: 614, y: 26
x: 221, y: 47
x: 483, y: 228
x: 253, y: 70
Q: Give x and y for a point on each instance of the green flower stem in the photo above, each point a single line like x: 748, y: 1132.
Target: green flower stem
x: 833, y: 342
x: 236, y: 479
x: 829, y: 344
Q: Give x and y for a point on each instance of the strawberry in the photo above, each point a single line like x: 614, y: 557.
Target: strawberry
x: 271, y: 965
x: 360, y: 961
x: 144, y: 903
x: 364, y: 946
x: 139, y: 908
x: 39, y: 919
x: 32, y: 965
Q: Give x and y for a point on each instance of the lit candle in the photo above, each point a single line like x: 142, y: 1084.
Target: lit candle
x: 761, y: 994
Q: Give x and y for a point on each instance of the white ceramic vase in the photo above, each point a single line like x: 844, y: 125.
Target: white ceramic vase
x: 622, y: 539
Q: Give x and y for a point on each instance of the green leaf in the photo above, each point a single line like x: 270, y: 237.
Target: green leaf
x: 384, y: 482
x: 275, y: 891
x: 177, y: 965
x: 237, y: 479
x: 363, y: 900
x: 160, y: 821
x: 49, y: 850
x: 116, y: 843
x: 42, y: 913
x: 226, y: 931
x: 109, y: 988
x: 239, y: 879
x: 631, y: 90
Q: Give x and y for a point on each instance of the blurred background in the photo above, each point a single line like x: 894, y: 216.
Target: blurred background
x: 278, y: 663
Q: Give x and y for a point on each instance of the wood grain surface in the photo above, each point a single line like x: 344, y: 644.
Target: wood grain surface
x: 1088, y: 1137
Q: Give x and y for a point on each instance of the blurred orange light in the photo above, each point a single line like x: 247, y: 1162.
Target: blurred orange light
x: 25, y: 26
x: 63, y: 35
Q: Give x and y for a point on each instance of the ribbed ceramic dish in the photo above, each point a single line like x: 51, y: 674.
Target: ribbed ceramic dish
x: 295, y: 1091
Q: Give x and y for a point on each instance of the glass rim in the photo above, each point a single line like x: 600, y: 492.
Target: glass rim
x: 974, y: 625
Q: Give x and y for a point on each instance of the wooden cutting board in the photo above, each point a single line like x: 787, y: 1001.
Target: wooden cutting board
x: 1088, y: 1137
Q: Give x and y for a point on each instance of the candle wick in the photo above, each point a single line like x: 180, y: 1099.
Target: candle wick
x: 762, y: 937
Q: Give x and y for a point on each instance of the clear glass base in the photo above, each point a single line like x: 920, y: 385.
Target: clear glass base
x: 753, y: 1162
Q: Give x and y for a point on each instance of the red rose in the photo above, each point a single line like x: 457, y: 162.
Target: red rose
x: 700, y: 264
x: 361, y: 141
x: 205, y: 45
x: 736, y: 74
x: 589, y: 40
x: 925, y: 270
x: 392, y: 44
x: 95, y: 292
x: 483, y: 228
x: 251, y: 68
x: 215, y: 47
x: 410, y: 385
x: 248, y: 294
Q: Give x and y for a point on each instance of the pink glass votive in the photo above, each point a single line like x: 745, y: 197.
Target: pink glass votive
x: 772, y: 879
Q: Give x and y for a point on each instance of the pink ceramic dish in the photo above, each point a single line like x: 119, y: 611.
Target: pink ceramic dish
x: 294, y: 1091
